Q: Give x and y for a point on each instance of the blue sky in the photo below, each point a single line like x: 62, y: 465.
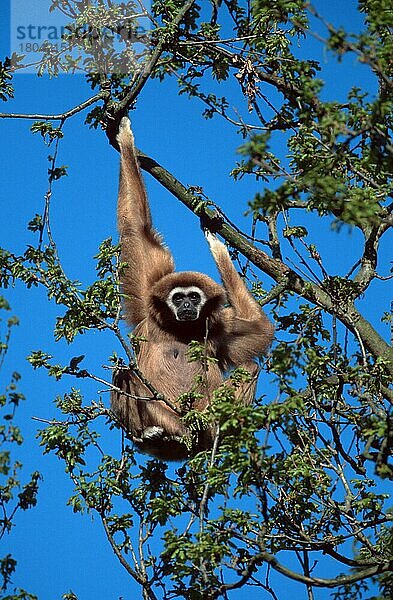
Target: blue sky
x: 55, y: 549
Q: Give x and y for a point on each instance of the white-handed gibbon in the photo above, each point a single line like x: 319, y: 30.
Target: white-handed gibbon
x: 169, y: 310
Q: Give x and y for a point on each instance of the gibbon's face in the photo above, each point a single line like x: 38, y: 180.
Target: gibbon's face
x: 186, y: 303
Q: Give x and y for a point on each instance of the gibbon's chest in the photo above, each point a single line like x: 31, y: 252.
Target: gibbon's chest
x: 167, y: 357
x: 165, y: 361
x: 166, y: 351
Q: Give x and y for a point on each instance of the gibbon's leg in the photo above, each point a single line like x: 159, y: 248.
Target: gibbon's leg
x: 141, y: 246
x: 246, y: 391
x: 143, y: 419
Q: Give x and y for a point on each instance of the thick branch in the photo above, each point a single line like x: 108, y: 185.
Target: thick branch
x: 149, y: 67
x: 309, y: 581
x: 117, y: 109
x: 329, y: 583
x: 369, y: 259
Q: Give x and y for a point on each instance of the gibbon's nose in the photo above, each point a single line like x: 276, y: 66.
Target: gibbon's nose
x: 186, y: 304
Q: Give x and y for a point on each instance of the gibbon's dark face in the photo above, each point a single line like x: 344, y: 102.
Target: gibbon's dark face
x: 186, y: 303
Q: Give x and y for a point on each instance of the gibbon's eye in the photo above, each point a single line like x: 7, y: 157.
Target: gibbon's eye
x: 177, y: 298
x: 194, y: 297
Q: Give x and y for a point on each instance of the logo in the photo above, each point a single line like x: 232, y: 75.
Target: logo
x: 56, y: 36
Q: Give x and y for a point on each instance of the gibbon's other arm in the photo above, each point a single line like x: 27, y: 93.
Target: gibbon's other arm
x: 249, y: 332
x: 141, y: 246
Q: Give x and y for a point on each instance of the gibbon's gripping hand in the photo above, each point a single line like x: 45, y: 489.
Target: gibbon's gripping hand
x: 112, y: 124
x: 210, y: 222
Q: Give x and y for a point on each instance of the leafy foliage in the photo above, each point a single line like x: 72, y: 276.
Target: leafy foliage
x: 302, y: 473
x: 14, y: 495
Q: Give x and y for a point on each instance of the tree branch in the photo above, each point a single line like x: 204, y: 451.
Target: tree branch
x: 276, y: 268
x: 311, y: 581
x: 138, y: 578
x: 116, y: 110
x: 59, y: 117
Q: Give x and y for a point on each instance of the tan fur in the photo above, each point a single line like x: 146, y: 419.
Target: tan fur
x: 234, y: 335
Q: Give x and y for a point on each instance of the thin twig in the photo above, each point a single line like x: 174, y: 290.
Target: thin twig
x: 57, y: 117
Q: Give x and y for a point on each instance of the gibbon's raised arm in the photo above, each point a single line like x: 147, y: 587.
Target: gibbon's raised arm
x: 248, y: 330
x: 141, y: 246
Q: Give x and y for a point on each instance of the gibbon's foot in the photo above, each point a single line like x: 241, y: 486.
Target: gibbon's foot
x: 158, y: 433
x: 156, y: 442
x: 152, y: 433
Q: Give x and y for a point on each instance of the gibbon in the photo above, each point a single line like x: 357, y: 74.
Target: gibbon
x: 168, y: 311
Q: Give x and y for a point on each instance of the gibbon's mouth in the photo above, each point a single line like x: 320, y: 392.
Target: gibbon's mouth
x: 187, y: 315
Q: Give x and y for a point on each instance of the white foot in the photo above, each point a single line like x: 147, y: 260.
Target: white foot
x: 151, y: 433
